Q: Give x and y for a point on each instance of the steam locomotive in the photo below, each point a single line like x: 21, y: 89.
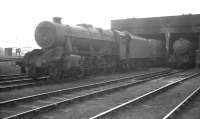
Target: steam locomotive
x: 83, y: 50
x: 183, y: 55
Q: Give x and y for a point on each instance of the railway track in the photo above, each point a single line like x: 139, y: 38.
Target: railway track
x: 19, y: 81
x: 149, y: 105
x: 192, y: 98
x: 26, y: 106
x: 12, y: 77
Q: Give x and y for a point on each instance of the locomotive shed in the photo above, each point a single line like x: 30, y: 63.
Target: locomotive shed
x: 168, y: 28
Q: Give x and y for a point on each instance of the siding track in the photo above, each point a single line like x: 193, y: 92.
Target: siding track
x: 26, y: 106
x: 180, y: 107
x: 141, y: 104
x: 17, y: 82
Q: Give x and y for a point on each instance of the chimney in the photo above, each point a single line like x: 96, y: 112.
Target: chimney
x: 57, y: 20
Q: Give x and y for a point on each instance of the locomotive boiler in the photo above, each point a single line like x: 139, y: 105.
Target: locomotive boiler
x: 83, y: 50
x: 183, y: 54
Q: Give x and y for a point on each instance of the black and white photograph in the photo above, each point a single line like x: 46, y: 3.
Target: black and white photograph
x: 99, y: 59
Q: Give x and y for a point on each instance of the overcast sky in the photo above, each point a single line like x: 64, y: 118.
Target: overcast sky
x: 20, y: 17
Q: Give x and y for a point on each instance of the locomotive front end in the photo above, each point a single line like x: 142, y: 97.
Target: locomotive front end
x: 183, y: 54
x: 45, y: 34
x: 46, y: 37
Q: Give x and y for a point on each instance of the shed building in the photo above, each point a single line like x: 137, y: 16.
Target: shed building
x: 167, y: 28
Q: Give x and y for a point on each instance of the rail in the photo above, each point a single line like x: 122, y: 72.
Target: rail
x: 79, y: 97
x: 135, y: 100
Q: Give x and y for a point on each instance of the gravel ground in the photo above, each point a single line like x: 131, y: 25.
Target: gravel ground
x: 93, y: 106
x: 42, y: 102
x: 190, y: 111
x: 44, y: 88
x: 159, y: 105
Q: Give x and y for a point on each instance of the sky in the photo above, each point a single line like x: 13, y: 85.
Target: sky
x: 19, y: 18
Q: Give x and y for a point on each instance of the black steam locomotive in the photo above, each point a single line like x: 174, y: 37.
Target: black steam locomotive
x: 84, y: 50
x: 183, y: 55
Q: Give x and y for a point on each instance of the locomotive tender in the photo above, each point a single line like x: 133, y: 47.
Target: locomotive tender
x: 83, y: 50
